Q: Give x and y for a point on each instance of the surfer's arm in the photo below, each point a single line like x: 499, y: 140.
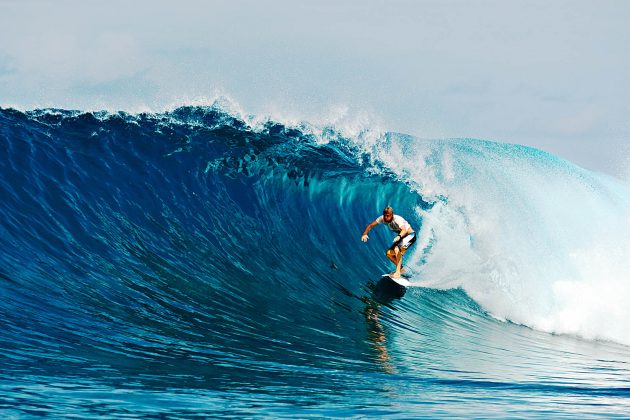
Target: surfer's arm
x: 369, y: 227
x: 403, y: 232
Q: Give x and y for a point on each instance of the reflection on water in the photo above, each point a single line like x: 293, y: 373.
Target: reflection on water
x: 384, y: 292
x: 376, y: 335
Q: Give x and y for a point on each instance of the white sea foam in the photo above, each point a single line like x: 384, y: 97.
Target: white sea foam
x: 532, y: 238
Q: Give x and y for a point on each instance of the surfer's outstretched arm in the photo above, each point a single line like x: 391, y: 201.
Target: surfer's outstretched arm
x: 369, y: 227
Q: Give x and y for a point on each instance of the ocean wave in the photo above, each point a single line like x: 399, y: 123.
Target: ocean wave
x: 164, y: 255
x: 109, y: 200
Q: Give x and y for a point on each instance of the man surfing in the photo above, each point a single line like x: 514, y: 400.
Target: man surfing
x: 406, y: 236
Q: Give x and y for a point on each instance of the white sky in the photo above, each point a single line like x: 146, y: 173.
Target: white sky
x: 550, y: 74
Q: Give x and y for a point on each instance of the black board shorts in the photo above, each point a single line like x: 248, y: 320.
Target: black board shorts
x: 405, y: 242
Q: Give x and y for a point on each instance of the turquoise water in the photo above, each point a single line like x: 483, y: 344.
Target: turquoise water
x: 189, y: 263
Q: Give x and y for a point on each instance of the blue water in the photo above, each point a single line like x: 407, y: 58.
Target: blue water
x: 193, y: 263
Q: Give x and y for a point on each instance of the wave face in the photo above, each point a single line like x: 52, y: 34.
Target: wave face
x: 192, y: 263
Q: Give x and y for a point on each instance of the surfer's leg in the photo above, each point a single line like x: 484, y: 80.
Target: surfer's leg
x: 398, y: 262
x: 402, y: 252
x: 391, y: 255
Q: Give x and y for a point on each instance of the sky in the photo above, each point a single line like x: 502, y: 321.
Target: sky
x: 549, y: 74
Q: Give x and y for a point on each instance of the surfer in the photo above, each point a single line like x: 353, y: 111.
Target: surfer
x: 406, y: 236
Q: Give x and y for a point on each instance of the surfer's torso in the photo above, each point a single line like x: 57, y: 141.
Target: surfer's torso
x: 396, y: 225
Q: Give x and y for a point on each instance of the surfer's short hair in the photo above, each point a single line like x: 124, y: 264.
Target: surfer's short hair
x: 388, y: 210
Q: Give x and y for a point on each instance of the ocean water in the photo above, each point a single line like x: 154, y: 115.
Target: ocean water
x: 195, y: 263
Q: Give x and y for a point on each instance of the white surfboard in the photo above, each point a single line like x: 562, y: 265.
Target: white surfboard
x: 398, y: 280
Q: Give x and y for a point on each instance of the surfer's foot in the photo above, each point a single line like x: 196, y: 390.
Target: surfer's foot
x: 395, y: 275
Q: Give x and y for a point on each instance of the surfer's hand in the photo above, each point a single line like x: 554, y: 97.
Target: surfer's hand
x: 364, y: 238
x: 396, y: 239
